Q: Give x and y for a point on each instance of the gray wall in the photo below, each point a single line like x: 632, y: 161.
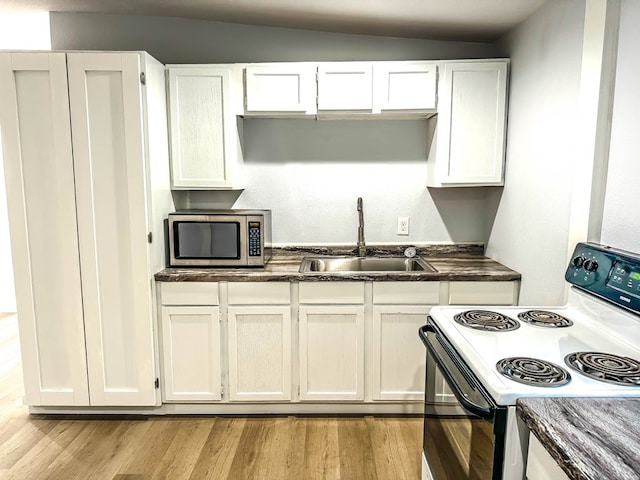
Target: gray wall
x: 311, y: 172
x: 530, y: 232
x: 179, y: 40
x: 621, y: 221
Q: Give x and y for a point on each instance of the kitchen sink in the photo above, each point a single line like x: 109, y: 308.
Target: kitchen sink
x: 364, y: 264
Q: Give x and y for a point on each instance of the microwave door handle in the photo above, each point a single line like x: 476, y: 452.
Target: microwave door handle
x: 481, y: 411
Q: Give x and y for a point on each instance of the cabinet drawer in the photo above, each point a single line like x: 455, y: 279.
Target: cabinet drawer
x: 262, y: 293
x: 483, y: 293
x: 189, y: 293
x: 332, y: 293
x: 406, y: 293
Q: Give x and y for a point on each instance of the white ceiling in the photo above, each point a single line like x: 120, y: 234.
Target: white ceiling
x: 466, y: 20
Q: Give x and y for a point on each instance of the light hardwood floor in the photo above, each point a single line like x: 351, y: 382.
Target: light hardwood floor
x: 237, y: 448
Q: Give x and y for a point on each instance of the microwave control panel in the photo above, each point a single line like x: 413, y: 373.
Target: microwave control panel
x: 255, y: 247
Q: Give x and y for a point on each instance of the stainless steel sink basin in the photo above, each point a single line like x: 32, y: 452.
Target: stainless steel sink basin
x: 364, y: 264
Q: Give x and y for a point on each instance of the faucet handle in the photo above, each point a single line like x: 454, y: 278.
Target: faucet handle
x: 410, y: 252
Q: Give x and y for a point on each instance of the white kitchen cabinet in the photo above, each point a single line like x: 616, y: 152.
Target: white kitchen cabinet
x: 205, y: 145
x: 331, y: 341
x: 404, y: 86
x: 283, y: 88
x: 331, y: 352
x: 540, y: 463
x: 260, y: 353
x: 192, y: 369
x: 259, y: 341
x: 468, y: 147
x: 84, y: 286
x: 345, y: 86
x: 398, y: 356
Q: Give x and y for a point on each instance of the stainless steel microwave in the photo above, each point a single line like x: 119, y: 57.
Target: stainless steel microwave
x: 219, y: 238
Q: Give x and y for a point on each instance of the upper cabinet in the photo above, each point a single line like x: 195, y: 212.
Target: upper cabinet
x: 205, y: 148
x: 468, y: 146
x: 341, y: 88
x: 404, y: 86
x: 283, y: 88
x: 345, y: 86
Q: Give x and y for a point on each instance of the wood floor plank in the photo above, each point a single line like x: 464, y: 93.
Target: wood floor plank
x: 322, y: 457
x: 180, y: 458
x: 217, y: 455
x: 356, y: 459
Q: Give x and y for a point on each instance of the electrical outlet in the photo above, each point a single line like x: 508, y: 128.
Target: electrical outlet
x: 403, y: 225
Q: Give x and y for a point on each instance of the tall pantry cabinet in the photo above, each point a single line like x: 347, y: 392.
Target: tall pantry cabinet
x: 84, y: 142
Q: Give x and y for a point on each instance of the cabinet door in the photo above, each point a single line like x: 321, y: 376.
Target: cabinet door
x: 38, y: 162
x: 471, y: 124
x: 332, y: 352
x: 259, y: 353
x: 191, y: 353
x: 109, y: 160
x: 345, y: 86
x: 398, y: 355
x: 404, y: 86
x: 284, y: 88
x: 203, y: 129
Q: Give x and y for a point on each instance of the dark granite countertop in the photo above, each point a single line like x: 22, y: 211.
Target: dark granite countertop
x: 590, y: 438
x: 457, y: 262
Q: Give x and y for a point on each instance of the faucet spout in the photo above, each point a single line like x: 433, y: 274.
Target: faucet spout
x: 362, y: 249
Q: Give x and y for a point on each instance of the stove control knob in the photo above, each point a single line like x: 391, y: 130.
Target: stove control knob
x: 590, y: 265
x: 577, y: 261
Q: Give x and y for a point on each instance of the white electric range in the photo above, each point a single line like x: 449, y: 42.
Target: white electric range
x: 492, y: 355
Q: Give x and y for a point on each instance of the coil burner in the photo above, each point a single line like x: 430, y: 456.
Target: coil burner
x: 533, y: 371
x: 606, y: 367
x: 542, y: 318
x: 486, y: 320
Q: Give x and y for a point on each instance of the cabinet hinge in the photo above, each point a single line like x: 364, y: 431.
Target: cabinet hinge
x: 298, y: 390
x: 221, y: 391
x: 150, y: 237
x: 157, y: 382
x: 143, y: 78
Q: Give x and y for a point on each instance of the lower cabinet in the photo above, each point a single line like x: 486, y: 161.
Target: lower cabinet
x: 332, y: 352
x: 259, y: 353
x: 348, y: 341
x: 398, y: 356
x: 191, y: 353
x: 540, y: 463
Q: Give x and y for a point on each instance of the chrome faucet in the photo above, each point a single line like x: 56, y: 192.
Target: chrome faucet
x: 362, y: 249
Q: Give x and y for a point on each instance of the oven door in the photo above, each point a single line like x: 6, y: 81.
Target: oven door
x: 467, y: 443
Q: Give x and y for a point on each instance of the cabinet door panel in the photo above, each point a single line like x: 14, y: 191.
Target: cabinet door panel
x: 405, y: 86
x: 398, y: 354
x: 259, y: 353
x: 109, y: 159
x: 36, y: 136
x: 283, y: 88
x: 203, y: 137
x: 332, y: 353
x: 345, y: 86
x: 471, y: 122
x: 191, y: 353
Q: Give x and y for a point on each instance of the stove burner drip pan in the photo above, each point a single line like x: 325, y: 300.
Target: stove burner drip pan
x: 542, y: 318
x: 486, y: 320
x: 606, y: 367
x: 533, y: 371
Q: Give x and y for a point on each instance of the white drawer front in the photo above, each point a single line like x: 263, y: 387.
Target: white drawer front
x: 483, y: 293
x: 259, y: 293
x: 332, y: 292
x: 189, y: 293
x: 406, y: 293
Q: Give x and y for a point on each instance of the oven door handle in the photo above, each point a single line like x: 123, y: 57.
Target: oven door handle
x: 479, y: 410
